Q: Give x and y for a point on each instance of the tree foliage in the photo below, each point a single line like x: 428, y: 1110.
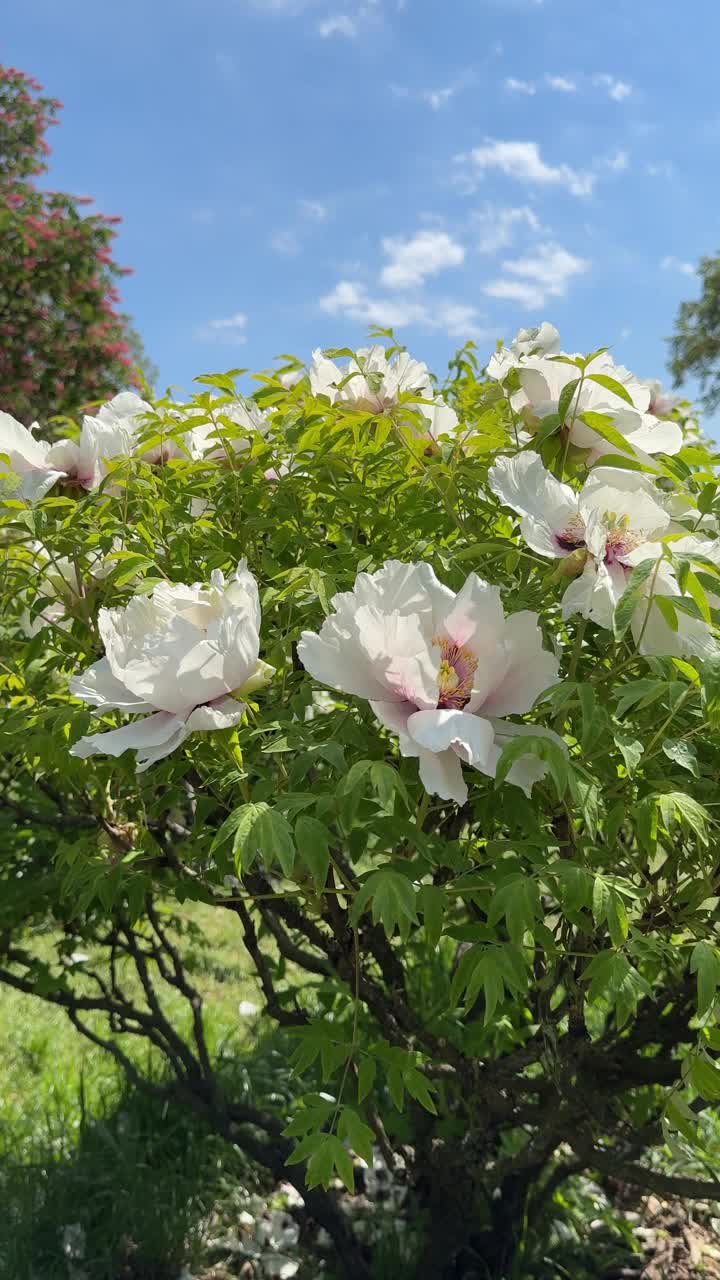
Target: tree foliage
x: 505, y: 990
x: 695, y: 344
x: 63, y: 342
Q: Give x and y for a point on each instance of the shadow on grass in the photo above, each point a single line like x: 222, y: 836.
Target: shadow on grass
x: 131, y: 1192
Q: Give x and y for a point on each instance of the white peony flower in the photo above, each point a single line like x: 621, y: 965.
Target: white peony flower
x: 372, y: 384
x: 662, y: 405
x: 438, y: 669
x: 615, y: 513
x: 541, y: 341
x: 185, y: 654
x: 28, y: 459
x: 211, y: 439
x: 60, y: 585
x: 653, y: 634
x: 542, y: 381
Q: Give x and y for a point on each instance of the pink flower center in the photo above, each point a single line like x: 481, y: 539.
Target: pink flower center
x: 455, y: 675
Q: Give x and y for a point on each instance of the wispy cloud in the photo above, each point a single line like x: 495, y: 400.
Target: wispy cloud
x: 338, y: 24
x: 285, y: 242
x: 616, y: 89
x: 531, y: 280
x: 561, y: 84
x: 660, y: 169
x: 496, y: 226
x: 228, y: 330
x: 313, y: 210
x: 352, y: 300
x: 436, y: 98
x: 523, y: 162
x: 520, y: 86
x: 618, y: 161
x: 670, y: 263
x: 413, y: 261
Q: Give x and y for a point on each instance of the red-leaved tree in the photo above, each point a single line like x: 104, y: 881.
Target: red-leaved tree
x: 63, y: 341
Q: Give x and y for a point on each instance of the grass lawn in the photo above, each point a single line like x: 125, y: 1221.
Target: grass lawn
x: 78, y: 1149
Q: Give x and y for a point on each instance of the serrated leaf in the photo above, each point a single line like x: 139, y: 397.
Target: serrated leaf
x: 393, y: 901
x: 313, y: 843
x: 357, y: 1133
x: 419, y: 1089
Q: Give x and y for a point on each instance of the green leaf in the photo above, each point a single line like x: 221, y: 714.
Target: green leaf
x: 396, y: 1087
x: 643, y: 692
x: 631, y: 749
x: 366, y: 1076
x: 518, y: 901
x: 419, y: 1089
x: 313, y: 843
x: 601, y: 424
x: 611, y: 384
x: 258, y: 829
x: 631, y: 597
x: 330, y: 1156
x: 683, y: 753
x: 357, y: 1133
x: 433, y: 900
x: 545, y: 749
x: 566, y: 396
x: 387, y: 782
x: 689, y: 583
x: 705, y: 962
x: 393, y: 901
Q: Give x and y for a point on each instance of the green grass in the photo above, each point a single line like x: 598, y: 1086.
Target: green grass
x: 78, y: 1146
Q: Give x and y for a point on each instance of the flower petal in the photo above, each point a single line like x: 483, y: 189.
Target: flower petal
x: 152, y: 737
x: 101, y: 688
x: 548, y: 507
x: 529, y: 669
x: 469, y: 736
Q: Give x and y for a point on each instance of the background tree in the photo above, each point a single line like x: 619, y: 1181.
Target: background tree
x: 695, y: 345
x: 500, y: 991
x: 63, y: 341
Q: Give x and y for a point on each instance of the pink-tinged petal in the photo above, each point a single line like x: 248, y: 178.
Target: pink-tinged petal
x: 529, y: 669
x: 221, y: 715
x: 101, y: 688
x: 441, y: 775
x: 476, y: 618
x: 549, y: 508
x: 470, y: 737
x: 335, y: 657
x: 403, y: 588
x: 394, y: 715
x: 153, y: 737
x: 595, y: 593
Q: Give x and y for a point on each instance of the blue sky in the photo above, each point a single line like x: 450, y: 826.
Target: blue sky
x: 290, y: 171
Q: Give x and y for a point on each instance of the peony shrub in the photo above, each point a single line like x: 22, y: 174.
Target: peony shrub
x: 421, y: 684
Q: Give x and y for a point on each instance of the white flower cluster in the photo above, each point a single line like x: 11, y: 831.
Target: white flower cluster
x: 115, y: 432
x: 620, y: 518
x: 442, y: 670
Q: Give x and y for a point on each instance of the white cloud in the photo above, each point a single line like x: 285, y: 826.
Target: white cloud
x: 285, y: 242
x: 522, y: 161
x: 676, y: 264
x: 338, y: 24
x: 436, y: 98
x: 618, y: 162
x: 313, y: 210
x: 616, y: 89
x: 229, y: 330
x: 530, y: 281
x: 412, y: 261
x: 519, y: 86
x: 497, y: 226
x: 352, y: 300
x: 561, y: 84
x: 660, y: 169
